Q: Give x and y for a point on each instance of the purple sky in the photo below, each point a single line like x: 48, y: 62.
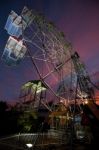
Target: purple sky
x: 78, y: 19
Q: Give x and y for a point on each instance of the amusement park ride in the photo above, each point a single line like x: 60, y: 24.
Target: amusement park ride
x: 61, y: 76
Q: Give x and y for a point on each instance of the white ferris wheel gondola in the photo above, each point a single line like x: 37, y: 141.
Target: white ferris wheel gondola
x: 14, y: 51
x: 17, y: 23
x: 14, y: 24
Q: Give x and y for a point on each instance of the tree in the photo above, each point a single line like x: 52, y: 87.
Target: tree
x: 3, y: 106
x: 27, y: 122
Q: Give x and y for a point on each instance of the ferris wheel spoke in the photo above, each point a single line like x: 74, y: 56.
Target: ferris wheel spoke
x: 56, y: 68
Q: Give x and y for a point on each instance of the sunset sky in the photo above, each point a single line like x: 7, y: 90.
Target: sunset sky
x: 78, y: 19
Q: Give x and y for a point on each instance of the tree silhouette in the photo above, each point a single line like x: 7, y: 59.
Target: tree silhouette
x: 3, y: 106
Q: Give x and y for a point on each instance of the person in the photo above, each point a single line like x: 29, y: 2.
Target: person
x: 45, y: 126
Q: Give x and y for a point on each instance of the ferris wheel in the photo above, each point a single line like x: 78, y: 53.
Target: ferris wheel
x: 60, y: 73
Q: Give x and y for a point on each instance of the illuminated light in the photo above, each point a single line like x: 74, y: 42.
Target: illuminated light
x: 29, y: 145
x: 34, y: 85
x: 86, y: 101
x: 80, y: 134
x: 61, y: 101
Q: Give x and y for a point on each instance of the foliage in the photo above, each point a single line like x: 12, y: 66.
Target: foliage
x: 14, y: 121
x: 3, y: 106
x: 27, y: 122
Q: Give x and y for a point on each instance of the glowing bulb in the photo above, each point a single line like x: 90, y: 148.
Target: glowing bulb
x: 86, y: 101
x: 29, y: 145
